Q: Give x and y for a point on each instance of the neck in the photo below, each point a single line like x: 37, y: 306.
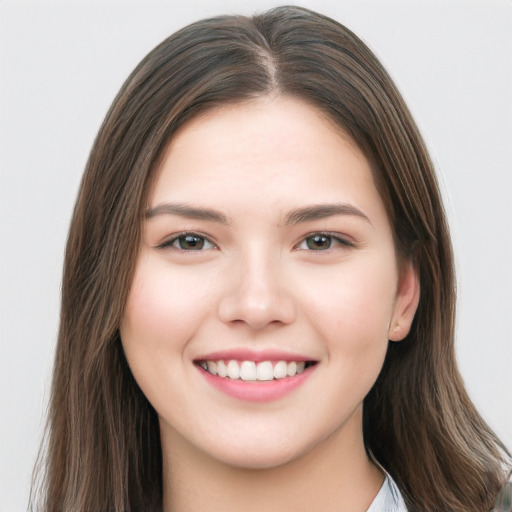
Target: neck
x: 334, y: 475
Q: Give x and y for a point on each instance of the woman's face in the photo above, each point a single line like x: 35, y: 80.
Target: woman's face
x: 267, y: 286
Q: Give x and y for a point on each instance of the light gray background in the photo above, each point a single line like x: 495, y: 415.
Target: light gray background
x: 61, y: 65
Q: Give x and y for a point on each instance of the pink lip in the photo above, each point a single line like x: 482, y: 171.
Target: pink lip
x: 257, y: 391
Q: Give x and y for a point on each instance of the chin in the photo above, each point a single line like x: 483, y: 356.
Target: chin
x: 258, y: 459
x: 262, y: 452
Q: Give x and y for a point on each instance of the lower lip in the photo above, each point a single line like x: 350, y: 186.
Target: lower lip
x: 257, y: 391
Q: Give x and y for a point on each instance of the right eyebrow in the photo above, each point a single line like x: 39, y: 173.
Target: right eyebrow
x: 188, y: 211
x: 322, y: 211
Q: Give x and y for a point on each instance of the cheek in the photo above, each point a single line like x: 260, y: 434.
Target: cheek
x: 354, y: 324
x: 150, y: 316
x: 163, y: 312
x: 353, y: 306
x: 163, y: 307
x: 161, y: 315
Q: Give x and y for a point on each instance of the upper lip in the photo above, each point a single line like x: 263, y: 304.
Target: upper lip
x: 244, y: 354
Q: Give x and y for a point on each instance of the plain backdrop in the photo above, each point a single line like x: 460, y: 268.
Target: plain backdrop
x: 61, y: 65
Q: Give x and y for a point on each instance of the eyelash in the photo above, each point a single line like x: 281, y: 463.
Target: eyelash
x: 171, y: 243
x: 333, y: 238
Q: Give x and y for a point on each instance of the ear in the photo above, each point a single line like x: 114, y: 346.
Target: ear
x: 406, y: 302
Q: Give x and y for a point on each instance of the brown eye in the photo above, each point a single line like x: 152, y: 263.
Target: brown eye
x: 323, y: 242
x: 319, y: 242
x: 188, y: 242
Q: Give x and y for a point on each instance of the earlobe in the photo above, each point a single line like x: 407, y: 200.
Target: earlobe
x: 406, y: 303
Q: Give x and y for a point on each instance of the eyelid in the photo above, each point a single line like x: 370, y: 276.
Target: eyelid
x: 341, y: 239
x: 171, y: 239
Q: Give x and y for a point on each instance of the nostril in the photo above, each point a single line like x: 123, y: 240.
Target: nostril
x: 256, y: 312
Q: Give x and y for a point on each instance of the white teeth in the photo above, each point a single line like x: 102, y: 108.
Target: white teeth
x: 280, y: 370
x: 212, y: 367
x: 221, y: 369
x: 252, y: 371
x: 233, y: 370
x: 248, y: 370
x: 265, y: 371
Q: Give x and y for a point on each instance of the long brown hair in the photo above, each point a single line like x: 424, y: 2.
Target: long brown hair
x: 103, y: 447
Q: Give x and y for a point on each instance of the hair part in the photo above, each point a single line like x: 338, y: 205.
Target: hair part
x: 103, y: 445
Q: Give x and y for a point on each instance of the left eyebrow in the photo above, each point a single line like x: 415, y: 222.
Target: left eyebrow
x: 187, y: 211
x: 322, y: 211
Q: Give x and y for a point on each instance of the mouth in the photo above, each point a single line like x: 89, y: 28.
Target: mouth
x: 255, y: 376
x: 254, y: 371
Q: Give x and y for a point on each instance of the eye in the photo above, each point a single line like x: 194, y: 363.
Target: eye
x: 188, y: 242
x: 323, y: 242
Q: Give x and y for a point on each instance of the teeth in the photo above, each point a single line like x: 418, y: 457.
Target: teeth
x: 280, y: 370
x: 212, y: 367
x: 265, y: 371
x: 248, y: 370
x: 233, y: 370
x: 252, y: 371
x: 221, y: 369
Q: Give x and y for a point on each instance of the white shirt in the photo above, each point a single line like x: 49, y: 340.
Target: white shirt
x: 388, y: 498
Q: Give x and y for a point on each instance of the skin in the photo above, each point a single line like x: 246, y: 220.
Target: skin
x: 257, y: 284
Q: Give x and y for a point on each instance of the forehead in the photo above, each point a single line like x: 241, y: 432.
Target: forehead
x: 272, y: 151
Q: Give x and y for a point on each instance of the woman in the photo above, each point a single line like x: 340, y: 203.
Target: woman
x: 258, y: 297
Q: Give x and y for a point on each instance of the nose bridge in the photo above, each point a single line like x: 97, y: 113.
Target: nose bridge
x: 257, y: 295
x: 259, y: 277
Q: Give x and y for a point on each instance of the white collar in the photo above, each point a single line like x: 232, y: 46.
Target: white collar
x: 388, y: 498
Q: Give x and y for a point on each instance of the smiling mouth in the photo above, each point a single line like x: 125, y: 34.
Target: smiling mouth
x: 252, y: 371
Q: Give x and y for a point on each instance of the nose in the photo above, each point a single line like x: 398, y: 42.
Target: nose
x: 257, y: 294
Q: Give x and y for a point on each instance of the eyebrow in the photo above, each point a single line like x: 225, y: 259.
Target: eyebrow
x: 322, y: 211
x: 189, y: 211
x: 304, y: 214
